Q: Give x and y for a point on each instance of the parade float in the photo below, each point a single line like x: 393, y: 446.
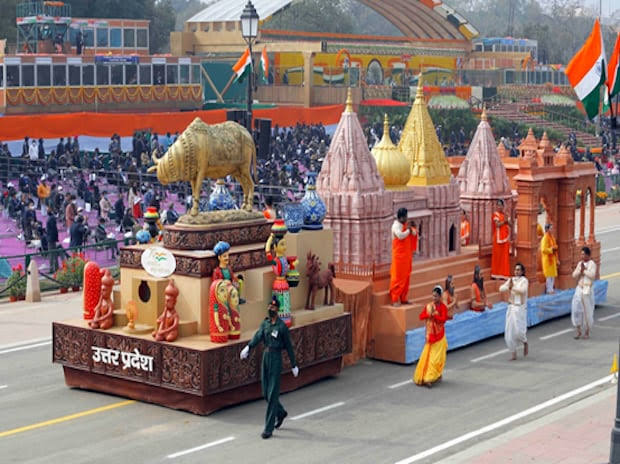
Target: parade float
x: 180, y: 317
x: 178, y: 322
x: 363, y: 194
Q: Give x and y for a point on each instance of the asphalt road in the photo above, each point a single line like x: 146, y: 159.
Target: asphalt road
x: 371, y: 413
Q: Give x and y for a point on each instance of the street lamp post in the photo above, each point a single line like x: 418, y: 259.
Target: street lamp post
x: 249, y: 31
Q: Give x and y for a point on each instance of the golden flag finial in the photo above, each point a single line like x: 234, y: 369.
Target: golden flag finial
x: 484, y: 117
x: 349, y: 104
x: 386, y: 123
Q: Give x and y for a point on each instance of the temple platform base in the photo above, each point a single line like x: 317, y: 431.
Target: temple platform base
x: 469, y: 327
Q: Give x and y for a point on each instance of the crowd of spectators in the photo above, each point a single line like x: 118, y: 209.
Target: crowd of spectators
x: 453, y: 143
x: 65, y: 187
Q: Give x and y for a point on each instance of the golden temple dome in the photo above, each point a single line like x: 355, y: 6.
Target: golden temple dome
x: 391, y: 163
x: 421, y: 147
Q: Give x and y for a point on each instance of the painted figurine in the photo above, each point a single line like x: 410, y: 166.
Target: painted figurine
x: 223, y: 270
x: 275, y: 248
x: 104, y: 311
x: 168, y: 321
x: 224, y: 318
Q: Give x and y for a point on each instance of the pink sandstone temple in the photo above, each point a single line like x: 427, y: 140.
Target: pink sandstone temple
x: 483, y: 180
x: 362, y: 193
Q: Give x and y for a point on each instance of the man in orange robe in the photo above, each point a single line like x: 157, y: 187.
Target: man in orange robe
x: 404, y: 244
x: 500, y: 259
x: 465, y: 229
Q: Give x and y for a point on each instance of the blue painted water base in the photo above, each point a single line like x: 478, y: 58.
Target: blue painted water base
x: 470, y: 326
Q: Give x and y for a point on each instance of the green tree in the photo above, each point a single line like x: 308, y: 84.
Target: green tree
x: 8, y: 29
x: 313, y: 16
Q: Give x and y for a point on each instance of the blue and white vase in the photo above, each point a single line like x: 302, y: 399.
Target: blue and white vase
x: 220, y: 198
x: 314, y: 208
x: 293, y: 216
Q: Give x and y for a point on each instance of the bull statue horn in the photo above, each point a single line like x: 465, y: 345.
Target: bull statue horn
x: 154, y: 158
x: 152, y: 169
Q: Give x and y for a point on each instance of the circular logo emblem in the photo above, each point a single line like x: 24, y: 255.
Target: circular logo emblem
x: 158, y: 262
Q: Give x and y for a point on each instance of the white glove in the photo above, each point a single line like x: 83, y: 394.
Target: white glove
x: 295, y: 371
x: 245, y: 352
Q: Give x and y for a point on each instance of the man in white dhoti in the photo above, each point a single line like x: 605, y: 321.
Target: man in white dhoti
x: 516, y: 315
x: 582, y: 313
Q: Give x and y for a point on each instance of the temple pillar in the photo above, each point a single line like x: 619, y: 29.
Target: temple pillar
x: 582, y: 219
x: 565, y: 230
x: 592, y: 243
x: 592, y: 208
x: 308, y: 77
x: 527, y: 217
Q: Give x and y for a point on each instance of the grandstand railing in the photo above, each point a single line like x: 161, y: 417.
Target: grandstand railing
x: 48, y: 280
x: 11, y: 168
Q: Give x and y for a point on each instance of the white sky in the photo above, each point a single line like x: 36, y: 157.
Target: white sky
x: 609, y: 6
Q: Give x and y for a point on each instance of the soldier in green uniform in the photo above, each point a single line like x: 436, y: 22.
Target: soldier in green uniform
x: 275, y: 336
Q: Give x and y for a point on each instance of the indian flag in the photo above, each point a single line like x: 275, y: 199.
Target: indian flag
x: 586, y: 71
x: 613, y: 75
x: 243, y: 67
x: 264, y: 66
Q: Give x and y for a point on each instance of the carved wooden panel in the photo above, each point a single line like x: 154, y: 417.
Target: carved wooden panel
x: 194, y: 371
x: 242, y: 234
x: 181, y: 369
x: 200, y: 266
x: 71, y: 347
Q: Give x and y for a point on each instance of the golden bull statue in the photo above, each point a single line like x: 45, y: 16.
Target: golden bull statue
x: 203, y: 151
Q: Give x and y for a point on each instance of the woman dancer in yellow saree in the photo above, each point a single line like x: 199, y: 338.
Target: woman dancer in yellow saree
x: 433, y: 358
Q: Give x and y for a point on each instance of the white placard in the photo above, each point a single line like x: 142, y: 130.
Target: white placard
x: 43, y: 60
x: 158, y: 262
x: 158, y: 60
x: 185, y: 61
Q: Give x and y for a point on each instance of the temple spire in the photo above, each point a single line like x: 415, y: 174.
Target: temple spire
x: 349, y: 103
x: 419, y: 143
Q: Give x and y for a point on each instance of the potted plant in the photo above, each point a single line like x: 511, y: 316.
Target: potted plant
x: 16, y: 284
x: 614, y: 194
x: 63, y: 277
x: 601, y: 198
x: 75, y: 268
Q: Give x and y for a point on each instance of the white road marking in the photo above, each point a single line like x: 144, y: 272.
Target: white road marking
x: 400, y: 384
x: 491, y: 355
x: 606, y: 318
x: 201, y: 447
x: 25, y: 342
x: 609, y: 250
x: 27, y: 347
x: 316, y: 411
x: 2, y: 387
x: 606, y: 230
x: 503, y: 422
x: 556, y: 334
